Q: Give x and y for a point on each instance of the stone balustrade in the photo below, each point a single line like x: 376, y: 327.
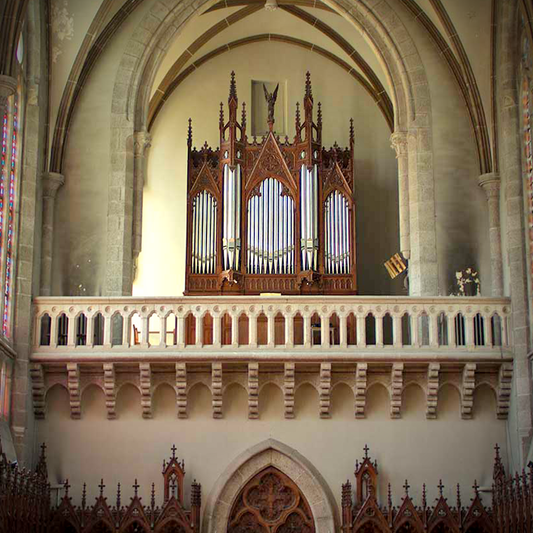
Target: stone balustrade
x: 82, y: 328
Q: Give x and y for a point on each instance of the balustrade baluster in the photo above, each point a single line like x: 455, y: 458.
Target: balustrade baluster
x: 307, y: 331
x: 415, y: 330
x: 469, y: 331
x: 252, y: 330
x: 145, y: 331
x: 361, y: 331
x: 433, y: 330
x: 487, y: 330
x: 235, y: 331
x: 107, y: 331
x: 180, y: 341
x: 397, y: 334
x: 199, y: 331
x: 71, y: 332
x: 90, y: 331
x: 163, y: 331
x: 53, y: 330
x: 324, y: 331
x: 504, y: 324
x: 217, y: 328
x: 271, y: 330
x: 378, y: 321
x: 289, y: 331
x: 452, y: 330
x: 343, y: 331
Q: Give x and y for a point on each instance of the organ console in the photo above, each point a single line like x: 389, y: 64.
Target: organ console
x: 270, y: 215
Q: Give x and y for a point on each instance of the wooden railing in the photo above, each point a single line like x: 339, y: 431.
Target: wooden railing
x: 231, y: 325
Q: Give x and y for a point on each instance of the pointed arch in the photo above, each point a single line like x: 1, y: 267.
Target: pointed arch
x: 269, y: 453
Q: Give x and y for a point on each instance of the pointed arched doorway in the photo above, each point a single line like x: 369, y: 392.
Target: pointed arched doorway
x: 271, y: 503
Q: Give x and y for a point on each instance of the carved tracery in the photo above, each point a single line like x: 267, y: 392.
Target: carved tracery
x: 271, y: 502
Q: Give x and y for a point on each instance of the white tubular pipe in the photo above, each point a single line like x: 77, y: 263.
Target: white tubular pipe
x: 225, y: 219
x: 197, y: 268
x: 193, y: 237
x: 326, y: 235
x: 238, y: 219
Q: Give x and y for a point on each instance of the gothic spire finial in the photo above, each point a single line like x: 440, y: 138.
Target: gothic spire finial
x: 389, y: 496
x: 189, y: 133
x: 118, y: 497
x: 84, y: 496
x: 424, y: 496
x: 407, y: 487
x: 298, y: 119
x: 459, y: 504
x: 232, y: 87
x: 152, y: 501
x: 440, y: 486
x: 102, y: 487
x: 136, y: 487
x: 221, y: 120
x: 352, y: 134
x: 308, y: 89
x: 319, y: 115
x: 243, y: 116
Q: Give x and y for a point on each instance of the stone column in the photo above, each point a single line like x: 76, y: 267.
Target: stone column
x: 490, y: 183
x: 141, y: 142
x: 8, y: 86
x: 399, y: 143
x: 51, y: 182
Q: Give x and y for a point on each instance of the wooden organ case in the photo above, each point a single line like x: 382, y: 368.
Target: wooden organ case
x: 270, y: 216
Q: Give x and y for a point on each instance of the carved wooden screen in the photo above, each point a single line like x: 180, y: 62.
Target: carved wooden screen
x: 271, y: 215
x: 271, y: 503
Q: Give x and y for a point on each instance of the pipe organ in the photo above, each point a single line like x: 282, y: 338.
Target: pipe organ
x: 270, y: 215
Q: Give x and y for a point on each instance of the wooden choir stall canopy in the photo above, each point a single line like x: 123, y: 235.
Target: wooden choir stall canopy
x: 271, y: 216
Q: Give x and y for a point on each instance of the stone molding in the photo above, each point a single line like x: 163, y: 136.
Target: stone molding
x: 253, y: 376
x: 252, y: 461
x: 51, y: 183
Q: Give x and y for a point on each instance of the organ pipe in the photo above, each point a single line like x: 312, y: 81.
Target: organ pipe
x: 337, y: 234
x: 204, y: 234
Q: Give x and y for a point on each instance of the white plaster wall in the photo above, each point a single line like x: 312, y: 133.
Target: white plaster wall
x: 162, y: 260
x: 421, y: 450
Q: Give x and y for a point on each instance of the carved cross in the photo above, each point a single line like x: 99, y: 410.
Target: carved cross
x: 440, y: 487
x: 406, y: 487
x: 136, y: 487
x: 101, y: 487
x: 475, y: 486
x: 66, y: 486
x: 366, y: 450
x: 173, y: 449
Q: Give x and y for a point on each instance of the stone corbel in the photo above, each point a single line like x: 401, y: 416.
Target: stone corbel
x: 505, y: 379
x: 490, y: 183
x: 253, y: 390
x: 146, y: 389
x: 216, y: 389
x: 325, y: 388
x: 361, y: 381
x: 181, y: 387
x: 396, y: 390
x: 467, y: 390
x: 110, y: 390
x: 38, y: 390
x: 432, y: 390
x: 73, y: 385
x: 8, y: 86
x: 288, y: 389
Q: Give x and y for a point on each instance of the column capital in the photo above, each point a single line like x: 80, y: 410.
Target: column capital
x: 8, y: 86
x: 51, y: 182
x: 490, y: 183
x: 399, y: 143
x: 142, y: 140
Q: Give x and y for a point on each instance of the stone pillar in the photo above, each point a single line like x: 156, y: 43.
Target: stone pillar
x: 8, y: 86
x: 399, y: 143
x: 490, y: 183
x: 141, y: 142
x: 51, y: 182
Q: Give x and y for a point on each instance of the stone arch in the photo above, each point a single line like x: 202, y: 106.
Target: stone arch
x: 403, y: 67
x: 252, y: 461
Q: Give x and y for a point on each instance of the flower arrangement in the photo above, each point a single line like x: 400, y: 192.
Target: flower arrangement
x: 467, y: 282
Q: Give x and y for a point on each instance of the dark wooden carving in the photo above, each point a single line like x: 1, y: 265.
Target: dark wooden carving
x: 271, y: 502
x: 260, y: 160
